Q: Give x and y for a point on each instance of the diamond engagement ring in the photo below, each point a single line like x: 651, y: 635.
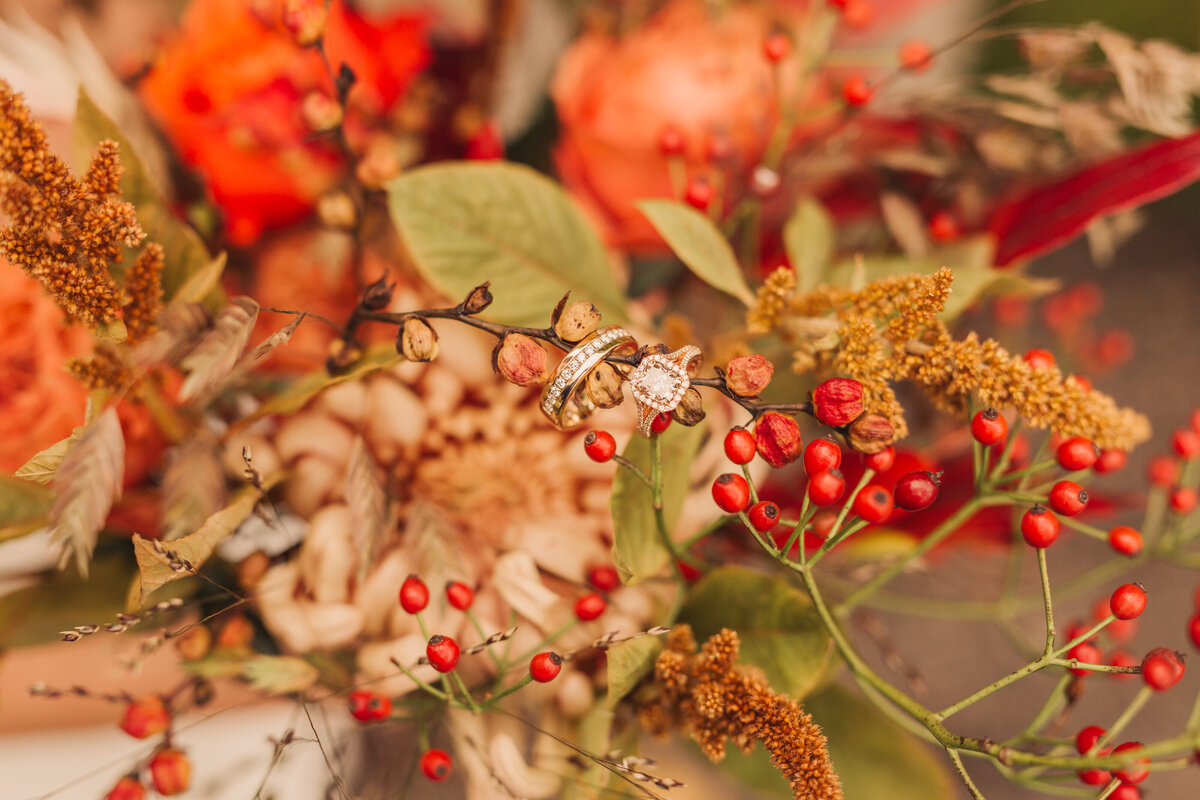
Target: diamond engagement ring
x: 659, y: 383
x: 563, y: 400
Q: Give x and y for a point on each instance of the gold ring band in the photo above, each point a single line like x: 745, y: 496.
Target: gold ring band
x: 564, y: 402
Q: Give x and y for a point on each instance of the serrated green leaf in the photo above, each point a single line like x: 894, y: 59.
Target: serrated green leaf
x: 629, y: 662
x: 808, y: 238
x: 466, y: 223
x: 279, y: 674
x: 699, y: 244
x: 184, y: 251
x: 41, y: 468
x: 779, y: 631
x: 637, y: 550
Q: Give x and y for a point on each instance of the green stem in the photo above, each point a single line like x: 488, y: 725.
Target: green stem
x: 1006, y: 454
x: 462, y: 687
x: 483, y: 635
x: 521, y: 684
x: 634, y: 468
x: 1045, y: 575
x: 1084, y: 528
x: 1030, y: 471
x: 750, y: 482
x: 834, y: 541
x: 1135, y: 706
x: 956, y: 759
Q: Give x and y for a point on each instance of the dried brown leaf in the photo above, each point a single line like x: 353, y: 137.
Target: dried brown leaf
x: 218, y: 352
x: 367, y: 501
x: 906, y: 224
x: 193, y: 486
x: 88, y: 482
x: 42, y: 467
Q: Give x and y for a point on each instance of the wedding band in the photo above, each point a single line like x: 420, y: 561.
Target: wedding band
x: 564, y: 402
x: 659, y: 383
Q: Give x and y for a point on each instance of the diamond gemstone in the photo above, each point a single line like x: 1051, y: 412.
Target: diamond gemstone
x: 659, y: 382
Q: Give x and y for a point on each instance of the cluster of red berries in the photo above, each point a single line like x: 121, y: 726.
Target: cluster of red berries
x: 170, y: 774
x: 1087, y: 743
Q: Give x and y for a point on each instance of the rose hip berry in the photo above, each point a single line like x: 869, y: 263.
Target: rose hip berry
x: 699, y: 194
x: 661, y: 422
x: 825, y: 488
x: 599, y: 445
x: 670, y: 141
x: 1128, y: 601
x: 442, y: 652
x: 145, y: 717
x: 590, y: 606
x: 915, y: 54
x: 368, y: 706
x: 820, y: 455
x: 1094, y: 777
x: 1162, y: 471
x: 1086, y: 739
x: 776, y: 47
x: 1194, y: 630
x: 1136, y: 771
x: 1084, y: 653
x: 414, y: 594
x: 1110, y: 461
x: 170, y: 771
x: 731, y: 492
x: 544, y: 667
x: 740, y: 446
x: 1126, y: 791
x: 1125, y: 540
x: 1077, y: 453
x: 459, y: 595
x: 604, y: 577
x: 1186, y: 442
x: 822, y: 524
x: 881, y: 461
x: 1068, y: 498
x: 944, y: 227
x: 436, y: 765
x: 1162, y: 668
x: 856, y: 91
x: 1039, y: 358
x: 128, y: 788
x: 763, y: 515
x: 1183, y: 500
x: 1039, y: 526
x: 988, y: 427
x: 916, y: 491
x: 874, y: 504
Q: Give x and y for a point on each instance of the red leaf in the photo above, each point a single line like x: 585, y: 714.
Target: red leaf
x: 1053, y: 214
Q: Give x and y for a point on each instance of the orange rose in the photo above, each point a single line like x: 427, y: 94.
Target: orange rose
x: 228, y: 91
x: 40, y: 402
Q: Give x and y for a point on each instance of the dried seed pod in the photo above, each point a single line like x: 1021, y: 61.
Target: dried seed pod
x: 320, y: 112
x: 305, y: 20
x: 778, y: 438
x: 336, y: 209
x: 603, y: 387
x: 690, y: 410
x: 479, y: 299
x: 521, y: 360
x: 838, y: 401
x: 870, y: 434
x: 578, y: 320
x: 747, y: 376
x: 417, y: 340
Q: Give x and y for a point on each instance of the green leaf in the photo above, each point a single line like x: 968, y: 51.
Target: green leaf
x: 22, y: 502
x: 41, y: 468
x: 779, y: 631
x: 808, y: 238
x: 185, y: 252
x: 629, y: 662
x: 699, y: 244
x: 201, y: 283
x: 637, y: 550
x: 218, y: 664
x: 280, y: 674
x: 466, y: 223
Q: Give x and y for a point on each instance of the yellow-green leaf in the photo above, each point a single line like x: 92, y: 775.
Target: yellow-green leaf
x: 629, y: 662
x: 808, y: 238
x: 779, y: 631
x: 638, y: 551
x: 279, y: 674
x: 41, y: 468
x: 466, y: 223
x: 699, y: 244
x: 201, y: 283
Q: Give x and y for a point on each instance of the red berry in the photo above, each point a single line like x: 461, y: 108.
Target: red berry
x: 1077, y: 453
x: 858, y: 14
x: 365, y: 705
x: 1094, y: 777
x: 881, y: 461
x: 1183, y: 500
x: 777, y: 46
x: 874, y: 504
x: 590, y: 606
x: 1126, y: 791
x: 820, y: 455
x: 1119, y: 630
x: 1128, y: 601
x: 1110, y: 461
x: 1039, y: 358
x: 825, y: 488
x: 1125, y: 540
x: 1162, y: 668
x: 1085, y: 653
x: 822, y: 524
x: 1163, y: 471
x: 1086, y: 739
x: 916, y: 54
x: 1068, y: 498
x: 544, y: 667
x: 414, y: 594
x: 740, y: 446
x: 599, y: 445
x: 436, y: 764
x: 1082, y: 383
x: 170, y: 771
x: 670, y: 141
x: 856, y: 91
x: 731, y: 492
x: 763, y: 515
x: 988, y: 427
x: 604, y: 577
x: 1039, y: 526
x: 1186, y: 442
x: 1136, y: 771
x: 699, y: 194
x: 916, y: 491
x: 442, y: 652
x: 128, y: 788
x: 943, y: 227
x: 1194, y: 630
x: 145, y: 717
x: 661, y: 422
x: 460, y: 595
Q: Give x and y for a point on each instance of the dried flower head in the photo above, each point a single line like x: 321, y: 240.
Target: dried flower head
x: 714, y: 700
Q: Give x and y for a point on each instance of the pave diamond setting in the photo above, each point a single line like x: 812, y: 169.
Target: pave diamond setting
x: 561, y: 400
